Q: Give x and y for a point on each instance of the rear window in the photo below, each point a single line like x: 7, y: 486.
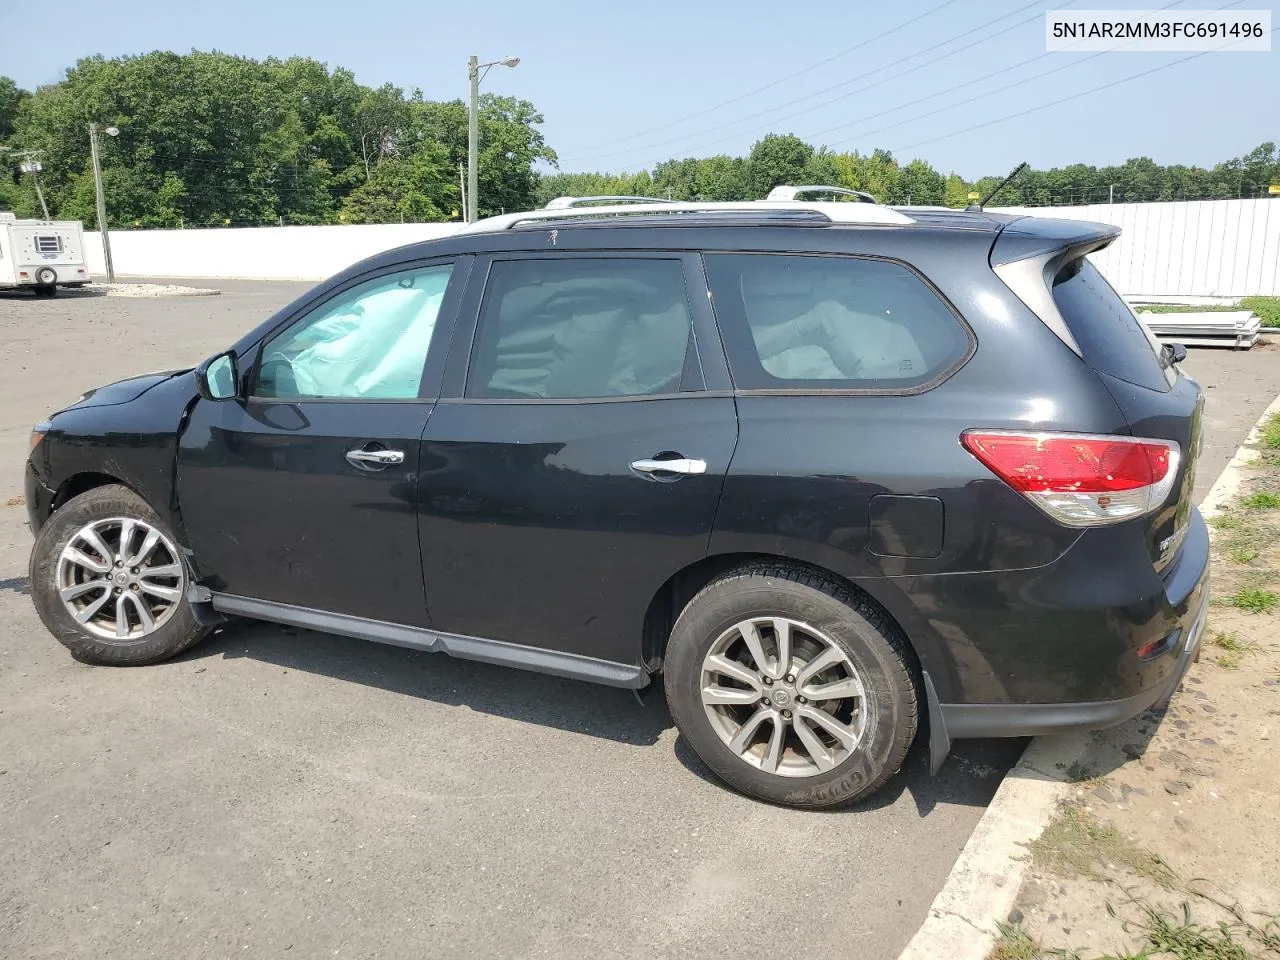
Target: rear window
x: 796, y: 322
x: 1112, y: 339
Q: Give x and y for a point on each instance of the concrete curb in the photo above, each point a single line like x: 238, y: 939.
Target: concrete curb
x: 983, y: 885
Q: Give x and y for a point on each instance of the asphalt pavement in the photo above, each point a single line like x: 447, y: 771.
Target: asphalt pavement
x: 283, y: 793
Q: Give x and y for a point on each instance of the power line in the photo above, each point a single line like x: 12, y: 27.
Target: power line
x: 869, y: 86
x: 969, y: 83
x: 1060, y: 100
x: 774, y: 83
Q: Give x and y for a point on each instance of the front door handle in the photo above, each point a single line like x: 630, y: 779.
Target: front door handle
x: 683, y: 465
x: 374, y: 459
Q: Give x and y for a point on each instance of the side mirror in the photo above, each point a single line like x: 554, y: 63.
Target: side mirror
x: 216, y: 378
x: 1176, y: 352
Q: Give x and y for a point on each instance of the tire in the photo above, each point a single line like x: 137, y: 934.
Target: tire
x: 819, y: 611
x: 105, y: 509
x: 46, y: 291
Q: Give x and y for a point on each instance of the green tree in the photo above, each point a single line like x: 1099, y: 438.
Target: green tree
x: 11, y: 97
x: 956, y: 193
x: 920, y: 184
x: 413, y: 187
x: 777, y: 159
x: 722, y: 178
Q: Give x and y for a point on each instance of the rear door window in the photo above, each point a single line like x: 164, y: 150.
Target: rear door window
x: 819, y: 322
x: 1111, y: 338
x: 577, y: 328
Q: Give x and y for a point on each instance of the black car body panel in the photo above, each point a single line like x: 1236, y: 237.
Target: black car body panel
x: 132, y: 439
x: 520, y: 528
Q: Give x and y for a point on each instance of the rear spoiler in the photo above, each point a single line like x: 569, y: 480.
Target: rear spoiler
x: 1030, y: 251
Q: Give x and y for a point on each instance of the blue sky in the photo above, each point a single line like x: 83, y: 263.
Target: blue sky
x: 616, y: 82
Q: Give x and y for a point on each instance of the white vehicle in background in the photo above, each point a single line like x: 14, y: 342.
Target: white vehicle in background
x: 41, y: 254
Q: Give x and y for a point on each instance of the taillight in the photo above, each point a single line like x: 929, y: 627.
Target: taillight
x: 1081, y: 480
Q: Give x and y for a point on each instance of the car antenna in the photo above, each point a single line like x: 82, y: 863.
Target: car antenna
x: 977, y: 207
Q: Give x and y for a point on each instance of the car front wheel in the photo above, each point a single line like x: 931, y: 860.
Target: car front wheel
x: 791, y: 688
x: 109, y: 582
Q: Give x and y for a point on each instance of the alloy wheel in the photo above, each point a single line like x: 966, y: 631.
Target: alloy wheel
x: 121, y: 579
x: 783, y: 697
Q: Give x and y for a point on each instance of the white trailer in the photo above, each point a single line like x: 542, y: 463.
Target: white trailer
x: 41, y: 255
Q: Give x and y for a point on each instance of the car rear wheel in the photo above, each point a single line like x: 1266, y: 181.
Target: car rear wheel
x: 109, y: 582
x: 791, y: 688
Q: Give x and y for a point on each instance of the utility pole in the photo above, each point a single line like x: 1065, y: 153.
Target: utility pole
x: 473, y: 137
x: 1111, y: 194
x: 462, y: 185
x: 473, y: 129
x: 102, y: 203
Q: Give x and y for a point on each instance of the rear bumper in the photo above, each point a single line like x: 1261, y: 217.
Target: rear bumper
x: 1035, y: 719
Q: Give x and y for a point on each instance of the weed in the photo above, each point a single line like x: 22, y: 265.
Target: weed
x: 1013, y: 943
x: 1182, y: 938
x: 1232, y: 647
x: 1075, y: 843
x: 1226, y: 521
x: 1254, y: 600
x: 1264, y: 500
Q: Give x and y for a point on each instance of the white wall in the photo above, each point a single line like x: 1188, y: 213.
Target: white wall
x: 1211, y: 248
x: 1197, y: 248
x: 278, y: 253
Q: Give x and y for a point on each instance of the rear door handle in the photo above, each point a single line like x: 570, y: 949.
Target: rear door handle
x: 374, y: 459
x: 684, y: 465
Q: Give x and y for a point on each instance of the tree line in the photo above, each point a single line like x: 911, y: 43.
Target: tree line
x: 787, y: 159
x: 209, y: 139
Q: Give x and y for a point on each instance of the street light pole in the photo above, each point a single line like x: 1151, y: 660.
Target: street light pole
x: 473, y: 138
x: 472, y: 204
x: 102, y: 203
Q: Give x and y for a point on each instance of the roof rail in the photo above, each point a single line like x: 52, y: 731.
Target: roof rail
x: 788, y: 192
x: 850, y: 213
x: 566, y: 203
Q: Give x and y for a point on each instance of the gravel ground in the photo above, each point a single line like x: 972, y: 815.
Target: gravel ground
x: 141, y: 289
x: 280, y: 791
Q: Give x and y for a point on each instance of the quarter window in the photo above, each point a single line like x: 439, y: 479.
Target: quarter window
x: 369, y: 342
x: 568, y: 328
x: 797, y: 322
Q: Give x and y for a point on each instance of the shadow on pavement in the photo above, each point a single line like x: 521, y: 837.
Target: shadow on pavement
x: 569, y: 705
x: 970, y: 776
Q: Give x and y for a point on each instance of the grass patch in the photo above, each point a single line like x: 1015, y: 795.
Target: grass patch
x: 1263, y: 500
x: 1232, y: 647
x: 1076, y: 844
x: 1254, y: 600
x: 1226, y: 521
x: 1271, y: 432
x: 1241, y: 551
x: 1266, y: 309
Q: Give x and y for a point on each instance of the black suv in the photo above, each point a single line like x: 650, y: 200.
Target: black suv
x: 839, y: 472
